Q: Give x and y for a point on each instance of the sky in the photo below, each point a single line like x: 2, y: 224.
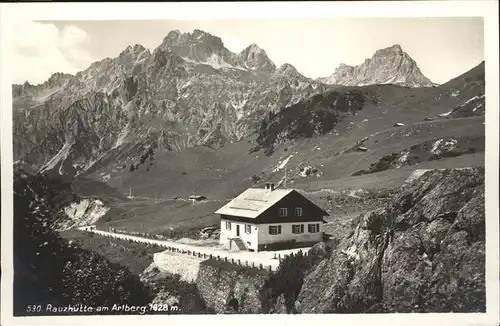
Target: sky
x: 442, y: 47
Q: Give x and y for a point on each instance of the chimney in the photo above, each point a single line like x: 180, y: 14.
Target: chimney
x: 269, y: 186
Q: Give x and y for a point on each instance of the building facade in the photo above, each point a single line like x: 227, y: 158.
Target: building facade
x: 260, y: 219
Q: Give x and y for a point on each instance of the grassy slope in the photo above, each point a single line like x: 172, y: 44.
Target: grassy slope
x: 223, y: 173
x: 135, y: 256
x: 146, y: 215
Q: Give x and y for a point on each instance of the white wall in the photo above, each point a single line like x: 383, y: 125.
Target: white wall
x: 185, y: 266
x: 252, y: 237
x: 260, y: 233
x: 287, y: 235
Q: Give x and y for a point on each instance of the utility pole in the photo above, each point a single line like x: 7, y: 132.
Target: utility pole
x: 285, y: 176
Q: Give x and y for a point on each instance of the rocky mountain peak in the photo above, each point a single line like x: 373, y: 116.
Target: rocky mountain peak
x: 172, y: 36
x: 199, y: 37
x: 137, y: 48
x: 59, y: 79
x: 394, y: 49
x: 287, y: 70
x: 390, y: 65
x: 197, y: 46
x: 255, y: 58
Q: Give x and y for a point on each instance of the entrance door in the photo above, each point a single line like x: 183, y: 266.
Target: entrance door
x: 237, y: 230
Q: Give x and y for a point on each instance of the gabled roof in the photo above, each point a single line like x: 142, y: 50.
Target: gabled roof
x: 253, y: 202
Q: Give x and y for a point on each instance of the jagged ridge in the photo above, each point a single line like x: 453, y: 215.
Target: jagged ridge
x: 387, y: 66
x: 190, y: 90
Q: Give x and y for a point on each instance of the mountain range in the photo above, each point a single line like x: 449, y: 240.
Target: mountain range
x: 125, y: 143
x: 190, y: 90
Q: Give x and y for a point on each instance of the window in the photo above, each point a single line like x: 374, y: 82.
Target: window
x: 297, y: 228
x: 274, y: 229
x: 283, y: 212
x: 298, y: 211
x: 313, y: 228
x: 248, y: 229
x: 228, y: 225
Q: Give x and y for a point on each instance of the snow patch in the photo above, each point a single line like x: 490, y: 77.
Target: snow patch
x: 401, y: 160
x: 122, y: 136
x: 60, y: 157
x: 443, y: 145
x: 215, y: 62
x: 238, y: 107
x: 473, y: 99
x: 185, y: 85
x: 45, y: 96
x: 282, y: 164
x: 445, y: 114
x: 306, y: 172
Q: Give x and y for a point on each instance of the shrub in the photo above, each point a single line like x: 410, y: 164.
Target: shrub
x: 48, y: 270
x: 287, y: 280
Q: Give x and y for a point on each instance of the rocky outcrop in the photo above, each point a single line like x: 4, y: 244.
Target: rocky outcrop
x: 316, y: 116
x: 171, y: 294
x: 387, y: 66
x: 228, y: 288
x: 85, y: 211
x: 428, y: 151
x: 423, y: 252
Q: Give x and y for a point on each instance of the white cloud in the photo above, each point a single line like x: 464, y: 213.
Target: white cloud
x: 41, y: 49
